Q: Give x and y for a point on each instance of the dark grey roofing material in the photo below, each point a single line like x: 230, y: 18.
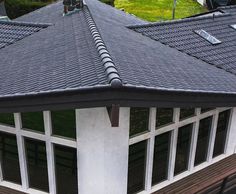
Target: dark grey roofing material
x: 180, y: 35
x: 146, y: 63
x: 11, y: 32
x: 65, y: 57
x: 61, y: 57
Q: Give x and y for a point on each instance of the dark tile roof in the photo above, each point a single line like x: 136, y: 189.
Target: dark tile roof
x: 181, y: 35
x: 143, y: 62
x: 11, y: 32
x: 61, y: 57
x: 90, y: 48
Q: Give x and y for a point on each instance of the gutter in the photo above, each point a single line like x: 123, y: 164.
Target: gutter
x: 105, y: 96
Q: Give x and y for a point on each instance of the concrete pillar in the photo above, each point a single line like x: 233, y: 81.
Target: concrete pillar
x: 102, y: 152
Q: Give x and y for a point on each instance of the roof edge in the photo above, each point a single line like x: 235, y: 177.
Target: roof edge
x: 187, y: 19
x: 129, y: 96
x: 111, y: 71
x: 31, y: 24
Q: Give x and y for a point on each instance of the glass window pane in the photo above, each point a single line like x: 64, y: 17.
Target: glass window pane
x: 9, y: 158
x: 203, y: 140
x: 183, y: 148
x: 221, y: 133
x: 63, y: 123
x: 33, y: 121
x: 7, y: 118
x: 37, y: 164
x: 164, y: 116
x: 206, y: 109
x: 161, y: 158
x: 137, y: 163
x: 139, y: 119
x: 66, y: 170
x: 186, y: 113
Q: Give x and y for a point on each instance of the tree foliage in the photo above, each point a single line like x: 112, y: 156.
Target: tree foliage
x: 16, y: 8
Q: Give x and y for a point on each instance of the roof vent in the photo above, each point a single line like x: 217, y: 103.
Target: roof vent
x: 233, y: 26
x: 71, y: 6
x: 207, y: 37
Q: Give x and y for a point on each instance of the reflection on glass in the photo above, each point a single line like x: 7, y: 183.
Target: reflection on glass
x: 9, y: 158
x: 7, y: 118
x: 203, y: 140
x: 33, y: 121
x: 137, y: 163
x: 161, y: 158
x: 183, y: 149
x: 139, y: 119
x: 66, y: 170
x: 186, y: 113
x: 206, y: 109
x: 164, y: 116
x: 63, y: 123
x: 221, y: 133
x: 37, y: 164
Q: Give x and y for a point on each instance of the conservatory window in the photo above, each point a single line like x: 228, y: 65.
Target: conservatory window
x: 44, y: 145
x: 172, y: 143
x: 63, y: 123
x: 9, y: 158
x: 37, y: 164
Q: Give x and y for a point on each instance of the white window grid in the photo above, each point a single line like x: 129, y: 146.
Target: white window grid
x: 173, y: 127
x: 49, y: 140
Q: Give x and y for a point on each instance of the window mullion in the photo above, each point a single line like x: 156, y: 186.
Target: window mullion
x: 150, y: 149
x: 194, y: 139
x: 77, y: 142
x: 50, y: 152
x: 1, y: 175
x: 174, y: 137
x: 21, y: 152
x: 212, y: 136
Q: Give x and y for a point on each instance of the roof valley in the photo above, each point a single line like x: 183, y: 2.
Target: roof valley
x: 110, y: 69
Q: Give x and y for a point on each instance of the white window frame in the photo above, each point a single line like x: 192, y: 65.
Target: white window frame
x: 49, y: 140
x: 173, y: 128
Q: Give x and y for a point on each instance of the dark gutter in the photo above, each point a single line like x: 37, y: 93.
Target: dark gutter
x: 108, y: 96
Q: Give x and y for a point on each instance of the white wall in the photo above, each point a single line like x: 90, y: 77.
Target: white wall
x: 103, y: 152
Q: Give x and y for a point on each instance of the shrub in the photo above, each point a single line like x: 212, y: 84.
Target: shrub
x: 16, y: 8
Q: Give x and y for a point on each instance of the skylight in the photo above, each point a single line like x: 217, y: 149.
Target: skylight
x: 208, y: 37
x: 233, y: 26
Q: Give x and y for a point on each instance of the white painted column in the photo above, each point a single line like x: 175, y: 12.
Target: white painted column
x: 103, y: 152
x: 231, y: 136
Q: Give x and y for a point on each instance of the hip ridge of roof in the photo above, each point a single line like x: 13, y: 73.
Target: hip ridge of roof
x: 110, y: 69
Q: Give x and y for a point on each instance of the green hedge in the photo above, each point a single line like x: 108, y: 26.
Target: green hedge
x: 16, y: 8
x: 109, y: 2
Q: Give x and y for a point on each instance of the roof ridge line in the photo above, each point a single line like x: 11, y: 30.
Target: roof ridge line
x: 227, y: 7
x: 31, y: 24
x: 109, y: 66
x: 188, y: 19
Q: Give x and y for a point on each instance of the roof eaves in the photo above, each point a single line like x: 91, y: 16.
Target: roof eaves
x: 189, y: 19
x: 30, y: 24
x: 227, y: 7
x: 109, y: 66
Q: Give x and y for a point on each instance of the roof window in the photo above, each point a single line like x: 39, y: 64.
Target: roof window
x: 233, y: 26
x: 207, y: 37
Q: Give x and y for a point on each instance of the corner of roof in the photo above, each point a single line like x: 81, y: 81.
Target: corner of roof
x: 110, y: 69
x: 187, y: 19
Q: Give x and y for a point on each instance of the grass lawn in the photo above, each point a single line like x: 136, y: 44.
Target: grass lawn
x: 154, y: 10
